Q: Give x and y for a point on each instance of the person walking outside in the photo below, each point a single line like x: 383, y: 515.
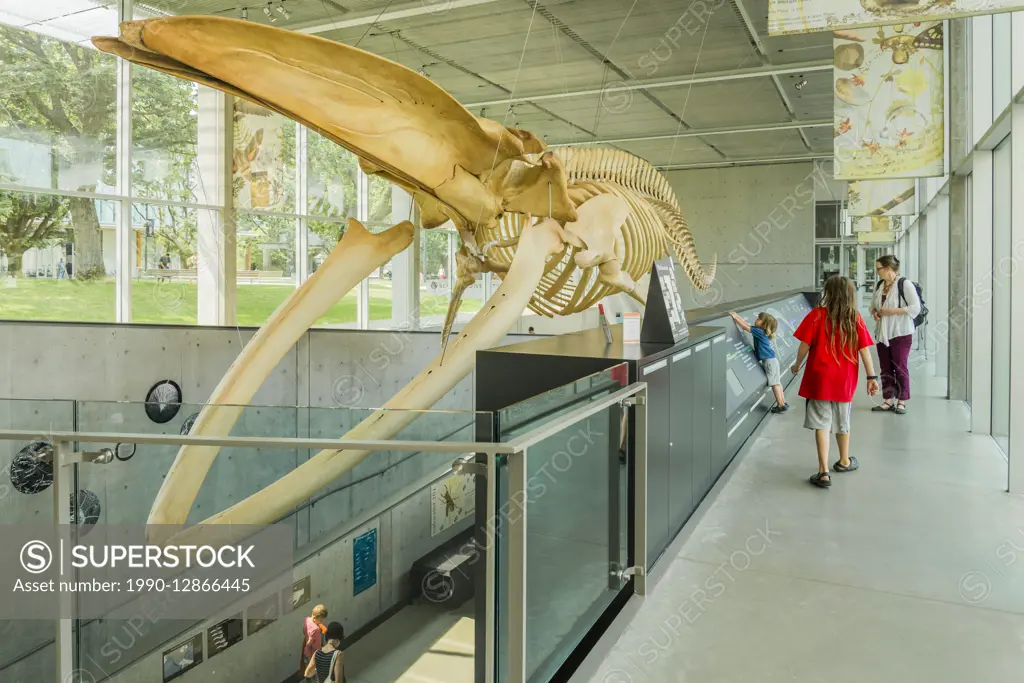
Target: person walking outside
x: 831, y: 338
x: 894, y: 307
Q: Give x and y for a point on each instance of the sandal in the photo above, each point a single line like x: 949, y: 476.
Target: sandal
x: 821, y: 480
x: 900, y: 410
x: 839, y: 467
x: 884, y: 408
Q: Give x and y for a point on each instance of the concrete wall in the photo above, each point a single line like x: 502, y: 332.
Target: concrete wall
x: 759, y: 220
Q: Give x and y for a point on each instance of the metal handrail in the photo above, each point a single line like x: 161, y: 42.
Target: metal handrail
x: 258, y: 442
x: 552, y: 428
x: 515, y: 445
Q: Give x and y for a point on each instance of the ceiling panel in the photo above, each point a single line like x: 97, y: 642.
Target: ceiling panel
x: 727, y: 103
x: 677, y: 151
x: 762, y: 145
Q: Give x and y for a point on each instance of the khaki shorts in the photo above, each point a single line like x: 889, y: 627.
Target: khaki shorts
x: 772, y: 370
x: 831, y: 416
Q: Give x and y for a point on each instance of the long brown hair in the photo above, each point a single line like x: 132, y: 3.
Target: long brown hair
x: 840, y: 303
x: 769, y: 324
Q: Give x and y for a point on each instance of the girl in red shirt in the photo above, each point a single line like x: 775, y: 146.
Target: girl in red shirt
x: 831, y: 337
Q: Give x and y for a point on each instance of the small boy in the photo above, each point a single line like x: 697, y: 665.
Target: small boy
x: 762, y: 335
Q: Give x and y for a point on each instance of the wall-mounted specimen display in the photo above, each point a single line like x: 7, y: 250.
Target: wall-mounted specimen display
x: 302, y: 591
x: 183, y: 657
x: 262, y: 614
x: 163, y: 401
x: 223, y: 635
x: 32, y: 468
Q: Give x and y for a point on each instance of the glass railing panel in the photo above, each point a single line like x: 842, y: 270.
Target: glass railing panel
x: 123, y: 493
x: 27, y: 498
x: 381, y: 475
x: 392, y: 499
x: 577, y: 517
x: 540, y: 409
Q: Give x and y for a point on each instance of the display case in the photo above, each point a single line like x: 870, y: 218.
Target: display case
x: 748, y: 396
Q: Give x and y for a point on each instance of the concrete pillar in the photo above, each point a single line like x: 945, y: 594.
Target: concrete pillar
x: 216, y: 227
x: 405, y: 294
x: 981, y: 293
x: 1016, y: 369
x: 940, y: 279
x: 959, y: 289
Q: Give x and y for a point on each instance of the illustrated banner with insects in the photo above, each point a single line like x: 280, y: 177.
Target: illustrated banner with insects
x: 889, y: 120
x: 259, y: 161
x: 881, y: 197
x: 807, y: 16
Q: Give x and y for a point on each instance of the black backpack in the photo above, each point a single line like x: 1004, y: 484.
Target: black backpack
x: 923, y: 315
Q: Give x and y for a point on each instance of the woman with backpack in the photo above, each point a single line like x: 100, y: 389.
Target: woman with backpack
x: 895, y: 305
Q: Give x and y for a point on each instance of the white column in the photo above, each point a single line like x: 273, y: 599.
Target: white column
x: 216, y: 228
x: 1016, y: 369
x: 363, y: 215
x: 1017, y: 53
x: 981, y: 293
x: 123, y: 234
x: 405, y: 300
x: 301, y: 205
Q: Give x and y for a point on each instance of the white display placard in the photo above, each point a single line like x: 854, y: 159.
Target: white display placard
x: 631, y: 328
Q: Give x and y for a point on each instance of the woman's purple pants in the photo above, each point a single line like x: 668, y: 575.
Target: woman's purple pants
x: 893, y: 362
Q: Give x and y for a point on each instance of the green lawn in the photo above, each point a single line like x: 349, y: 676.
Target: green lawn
x: 175, y: 302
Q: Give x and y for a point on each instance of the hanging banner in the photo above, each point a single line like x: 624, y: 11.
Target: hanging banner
x: 889, y: 120
x: 863, y: 224
x: 258, y: 158
x: 807, y: 16
x: 881, y: 197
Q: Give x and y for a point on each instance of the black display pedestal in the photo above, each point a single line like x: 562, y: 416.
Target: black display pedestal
x: 685, y: 407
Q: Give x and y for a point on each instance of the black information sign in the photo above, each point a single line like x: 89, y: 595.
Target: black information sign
x: 664, y: 318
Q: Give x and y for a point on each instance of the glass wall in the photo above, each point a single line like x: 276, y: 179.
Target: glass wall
x: 290, y: 194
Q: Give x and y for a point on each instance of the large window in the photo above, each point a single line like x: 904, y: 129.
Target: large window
x: 92, y: 215
x: 57, y: 131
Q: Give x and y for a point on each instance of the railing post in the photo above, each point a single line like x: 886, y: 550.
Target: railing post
x: 517, y: 518
x: 491, y: 568
x: 63, y: 485
x: 640, y: 494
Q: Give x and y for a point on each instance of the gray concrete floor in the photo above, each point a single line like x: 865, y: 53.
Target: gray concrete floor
x: 907, y: 570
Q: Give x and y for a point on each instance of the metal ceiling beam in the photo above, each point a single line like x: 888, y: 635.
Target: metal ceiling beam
x: 692, y: 133
x: 709, y: 77
x: 414, y: 9
x: 745, y: 162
